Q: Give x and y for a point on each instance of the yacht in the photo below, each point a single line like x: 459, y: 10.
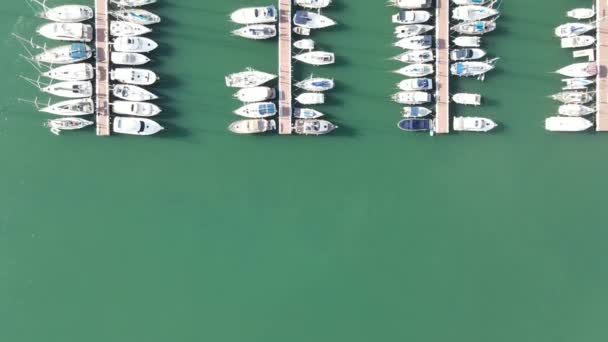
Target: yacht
x: 415, y: 112
x: 132, y: 3
x: 70, y: 89
x: 306, y: 113
x: 579, y: 70
x: 137, y: 16
x: 573, y: 109
x: 134, y: 44
x: 252, y: 126
x: 412, y: 97
x: 313, y: 127
x: 128, y: 58
x: 255, y: 94
x: 76, y: 107
x: 76, y: 32
x: 473, y: 12
x: 415, y: 56
x: 413, y: 84
x: 577, y: 41
x: 405, y: 31
x: 146, y: 109
x: 312, y: 20
x: 581, y: 13
x: 467, y: 41
x: 475, y: 27
x: 577, y: 83
x: 65, y: 54
x: 467, y: 54
x: 410, y: 4
x: 314, y: 4
x: 135, y: 126
x: 255, y: 15
x: 58, y: 125
x: 71, y: 72
x: 316, y: 57
x: 473, y: 124
x: 316, y: 84
x: 127, y: 29
x: 256, y: 32
x: 411, y: 17
x: 133, y: 76
x: 67, y: 13
x: 467, y: 99
x: 304, y: 44
x: 416, y: 70
x: 472, y: 68
x: 567, y: 124
x: 248, y: 78
x: 311, y: 98
x: 573, y: 29
x: 131, y: 92
x: 575, y: 97
x: 415, y: 42
x: 416, y: 125
x: 257, y: 110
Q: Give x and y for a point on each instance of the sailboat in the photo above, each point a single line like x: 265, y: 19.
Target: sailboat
x: 567, y: 124
x: 134, y: 76
x: 312, y: 20
x: 576, y: 97
x: 252, y: 126
x: 76, y: 107
x: 579, y: 70
x: 410, y: 4
x: 127, y: 29
x: 137, y: 16
x: 132, y: 3
x: 248, y: 78
x: 66, y: 13
x: 472, y: 68
x: 415, y: 42
x: 573, y: 29
x: 65, y: 54
x: 75, y: 32
x: 70, y: 89
x: 581, y: 13
x: 316, y: 57
x: 416, y: 70
x: 415, y: 56
x: 573, y: 109
x: 473, y: 12
x: 58, y: 125
x: 577, y: 41
x: 314, y: 4
x: 413, y: 84
x: 405, y: 31
x: 475, y: 27
x: 71, y: 72
x: 131, y: 92
x: 257, y: 110
x: 316, y: 84
x: 577, y: 83
x: 256, y: 32
x: 146, y: 109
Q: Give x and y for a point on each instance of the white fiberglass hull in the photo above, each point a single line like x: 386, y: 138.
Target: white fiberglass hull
x: 71, y: 72
x: 567, y: 124
x: 131, y: 92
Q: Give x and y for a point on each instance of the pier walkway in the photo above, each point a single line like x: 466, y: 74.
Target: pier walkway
x: 601, y: 116
x: 285, y: 98
x: 102, y: 55
x: 442, y: 67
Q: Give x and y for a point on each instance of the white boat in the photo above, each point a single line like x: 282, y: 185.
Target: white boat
x: 415, y: 56
x: 311, y: 98
x: 58, y: 125
x: 577, y: 41
x: 577, y: 83
x: 413, y: 84
x: 74, y: 32
x: 316, y: 84
x: 467, y: 54
x: 84, y: 106
x: 415, y: 42
x: 581, y: 13
x: 567, y: 124
x: 316, y: 57
x: 304, y: 44
x: 467, y: 41
x: 257, y: 110
x: 255, y: 94
x: 415, y: 112
x: 131, y: 92
x: 70, y: 89
x: 302, y: 31
x: 128, y: 58
x: 146, y: 109
x: 405, y: 31
x: 576, y: 97
x: 71, y: 72
x: 256, y: 32
x: 573, y: 29
x: 132, y: 3
x: 67, y: 13
x: 467, y: 99
x: 573, y: 109
x: 248, y: 78
x: 472, y: 68
x: 475, y: 27
x: 312, y: 20
x: 411, y: 17
x: 137, y: 16
x: 252, y: 126
x: 127, y: 29
x: 470, y: 2
x: 306, y: 113
x: 473, y: 12
x: 133, y: 76
x: 412, y: 97
x: 410, y: 4
x: 65, y: 54
x: 579, y: 70
x: 254, y: 15
x: 314, y: 4
x: 135, y: 126
x: 416, y: 70
x: 473, y: 124
x: 313, y: 127
x: 134, y: 44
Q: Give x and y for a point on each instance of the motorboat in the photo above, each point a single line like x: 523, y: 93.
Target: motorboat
x: 313, y: 127
x: 416, y: 125
x: 255, y: 94
x: 472, y: 68
x: 410, y: 30
x: 416, y: 70
x: 255, y: 15
x: 473, y: 12
x: 567, y: 124
x: 132, y: 3
x: 252, y: 126
x: 467, y: 41
x: 67, y: 13
x: 577, y: 41
x: 75, y: 32
x: 416, y: 42
x: 415, y: 56
x: 248, y: 78
x: 131, y: 92
x: 467, y: 99
x: 467, y: 54
x: 146, y: 109
x: 71, y: 72
x: 473, y: 124
x: 415, y: 112
x: 581, y: 13
x: 314, y: 4
x: 306, y: 113
x: 413, y: 84
x: 302, y: 31
x: 573, y: 29
x: 137, y: 16
x: 61, y: 124
x: 577, y: 83
x: 135, y: 126
x: 256, y: 32
x: 579, y: 70
x: 128, y: 58
x: 312, y: 20
x: 475, y: 27
x: 127, y: 29
x: 134, y: 44
x: 575, y: 97
x: 316, y: 57
x: 65, y: 54
x: 133, y: 76
x: 410, y: 4
x: 257, y: 110
x: 311, y: 98
x: 470, y: 2
x: 412, y: 97
x: 316, y: 84
x: 411, y: 17
x: 70, y: 89
x: 304, y: 44
x: 76, y: 107
x: 573, y: 109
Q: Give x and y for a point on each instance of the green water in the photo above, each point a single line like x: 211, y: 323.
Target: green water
x: 366, y: 235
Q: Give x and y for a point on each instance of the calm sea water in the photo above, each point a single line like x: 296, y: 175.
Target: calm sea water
x: 365, y: 235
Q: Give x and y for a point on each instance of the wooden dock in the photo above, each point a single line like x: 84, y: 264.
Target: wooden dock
x: 601, y: 116
x: 102, y: 56
x: 285, y: 98
x: 442, y: 67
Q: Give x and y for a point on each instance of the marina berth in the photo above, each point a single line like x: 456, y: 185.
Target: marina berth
x: 76, y: 32
x: 252, y: 126
x: 306, y: 113
x: 257, y: 110
x: 127, y: 29
x: 146, y: 109
x: 256, y: 32
x: 133, y: 76
x: 415, y: 56
x: 416, y: 125
x: 576, y: 97
x: 255, y: 94
x: 135, y: 126
x: 416, y: 70
x: 71, y: 72
x: 65, y: 54
x: 128, y: 58
x: 131, y: 92
x: 313, y: 127
x: 475, y: 27
x: 70, y: 89
x: 134, y: 44
x: 132, y: 3
x: 577, y: 83
x: 316, y: 57
x: 467, y: 99
x: 75, y: 107
x: 579, y: 70
x: 411, y: 17
x: 473, y: 124
x: 304, y: 44
x: 316, y: 84
x: 575, y: 110
x: 577, y: 42
x: 137, y: 16
x: 311, y: 98
x: 410, y: 4
x: 581, y: 13
x: 314, y: 4
x: 415, y: 112
x: 248, y: 78
x: 573, y: 29
x: 412, y: 97
x: 67, y: 13
x: 467, y: 41
x: 405, y: 31
x: 255, y: 15
x: 69, y: 124
x: 473, y: 12
x: 467, y: 54
x: 312, y: 20
x: 567, y: 124
x: 415, y: 42
x: 414, y: 84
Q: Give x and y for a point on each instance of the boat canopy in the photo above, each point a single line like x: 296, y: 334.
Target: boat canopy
x: 78, y: 51
x: 267, y: 108
x: 459, y: 68
x: 415, y: 124
x: 301, y: 18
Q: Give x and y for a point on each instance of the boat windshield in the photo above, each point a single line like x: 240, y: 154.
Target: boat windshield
x: 142, y: 127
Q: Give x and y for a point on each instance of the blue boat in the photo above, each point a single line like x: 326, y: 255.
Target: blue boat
x: 415, y: 125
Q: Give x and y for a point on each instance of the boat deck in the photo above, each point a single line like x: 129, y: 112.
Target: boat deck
x: 102, y: 56
x: 285, y: 70
x: 601, y: 116
x: 442, y: 67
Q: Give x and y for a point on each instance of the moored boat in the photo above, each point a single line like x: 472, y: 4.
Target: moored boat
x: 134, y: 108
x: 475, y: 27
x: 257, y: 110
x: 415, y: 42
x: 415, y: 125
x: 313, y: 127
x: 67, y: 13
x: 577, y: 41
x: 128, y: 58
x: 577, y: 83
x: 316, y: 57
x: 413, y: 84
x: 467, y: 41
x: 468, y: 99
x: 410, y: 4
x: 472, y: 68
x: 415, y: 112
x: 579, y: 70
x: 567, y: 124
x: 316, y: 84
x: 410, y: 30
x: 581, y: 13
x: 65, y: 54
x: 467, y: 54
x: 252, y: 126
x: 473, y: 124
x: 416, y: 70
x: 135, y: 126
x: 311, y: 98
x: 473, y: 12
x: 58, y: 125
x: 255, y: 94
x: 314, y: 4
x: 306, y: 113
x: 131, y: 92
x: 415, y: 56
x: 132, y: 3
x: 312, y: 20
x: 573, y: 109
x: 412, y: 97
x: 70, y: 89
x: 75, y: 32
x: 573, y: 29
x: 256, y: 32
x: 248, y: 78
x: 134, y: 44
x: 133, y: 76
x: 74, y: 107
x: 411, y: 17
x: 71, y: 72
x: 127, y: 29
x: 576, y: 97
x: 254, y: 15
x: 137, y: 16
x: 304, y: 44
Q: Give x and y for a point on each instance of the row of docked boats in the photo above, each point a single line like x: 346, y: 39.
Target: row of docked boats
x: 577, y: 94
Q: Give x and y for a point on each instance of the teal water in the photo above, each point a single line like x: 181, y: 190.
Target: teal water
x: 365, y: 235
